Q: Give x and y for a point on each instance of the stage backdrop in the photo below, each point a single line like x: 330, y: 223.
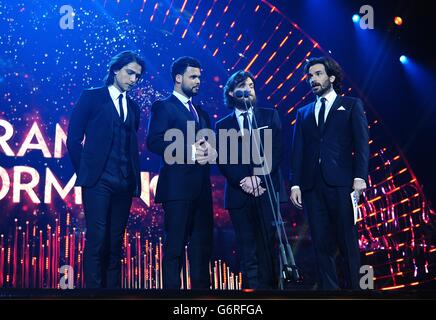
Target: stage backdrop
x: 51, y: 52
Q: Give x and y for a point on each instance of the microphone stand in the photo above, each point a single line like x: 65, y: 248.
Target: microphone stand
x: 288, y: 267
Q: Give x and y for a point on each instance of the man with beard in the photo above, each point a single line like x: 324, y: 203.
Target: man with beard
x: 183, y: 186
x: 250, y: 194
x: 329, y: 160
x: 103, y: 146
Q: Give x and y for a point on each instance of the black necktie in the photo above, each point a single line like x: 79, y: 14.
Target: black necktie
x: 120, y: 103
x: 321, y: 115
x: 245, y: 122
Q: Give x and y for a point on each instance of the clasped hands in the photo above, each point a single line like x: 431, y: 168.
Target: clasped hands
x: 252, y: 186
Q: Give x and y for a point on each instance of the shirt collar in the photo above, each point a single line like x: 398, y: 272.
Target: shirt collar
x: 181, y: 97
x: 238, y: 112
x: 330, y: 97
x: 115, y: 93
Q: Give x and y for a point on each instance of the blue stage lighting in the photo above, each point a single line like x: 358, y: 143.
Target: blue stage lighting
x: 404, y: 59
x: 356, y: 18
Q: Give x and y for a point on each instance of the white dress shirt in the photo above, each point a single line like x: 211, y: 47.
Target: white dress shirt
x: 115, y: 93
x: 240, y: 118
x: 330, y: 98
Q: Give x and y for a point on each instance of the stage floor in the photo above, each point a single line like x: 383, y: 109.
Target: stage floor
x: 300, y: 294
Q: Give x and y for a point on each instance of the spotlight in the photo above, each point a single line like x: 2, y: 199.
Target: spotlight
x: 356, y: 18
x: 398, y: 21
x: 404, y: 59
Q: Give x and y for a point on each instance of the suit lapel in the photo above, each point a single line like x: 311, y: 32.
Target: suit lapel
x: 201, y: 117
x: 181, y: 107
x: 258, y: 117
x: 234, y: 122
x: 130, y: 113
x: 109, y: 107
x: 312, y: 120
x: 333, y: 111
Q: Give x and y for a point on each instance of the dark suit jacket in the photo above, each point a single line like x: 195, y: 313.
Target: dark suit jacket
x: 183, y: 180
x: 343, y: 147
x: 92, y: 118
x: 235, y: 197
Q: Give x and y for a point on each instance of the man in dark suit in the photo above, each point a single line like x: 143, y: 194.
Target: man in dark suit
x: 183, y: 186
x: 251, y: 185
x: 107, y: 166
x: 329, y: 160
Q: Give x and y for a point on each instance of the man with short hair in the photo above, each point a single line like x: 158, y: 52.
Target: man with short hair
x: 184, y: 189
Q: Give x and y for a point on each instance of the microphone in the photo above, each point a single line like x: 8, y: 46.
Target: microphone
x: 242, y: 93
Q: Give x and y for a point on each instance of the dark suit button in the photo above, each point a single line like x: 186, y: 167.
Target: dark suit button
x: 321, y: 140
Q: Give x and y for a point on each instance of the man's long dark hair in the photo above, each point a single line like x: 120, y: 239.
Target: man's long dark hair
x: 119, y: 61
x: 332, y: 68
x: 234, y: 80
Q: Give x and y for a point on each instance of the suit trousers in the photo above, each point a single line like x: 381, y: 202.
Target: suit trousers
x: 331, y: 221
x: 188, y: 223
x: 107, y: 206
x: 255, y: 234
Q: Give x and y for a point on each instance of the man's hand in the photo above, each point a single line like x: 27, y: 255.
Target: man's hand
x: 252, y: 186
x: 249, y: 184
x: 204, y: 153
x: 258, y: 192
x: 359, y: 186
x: 296, y: 198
